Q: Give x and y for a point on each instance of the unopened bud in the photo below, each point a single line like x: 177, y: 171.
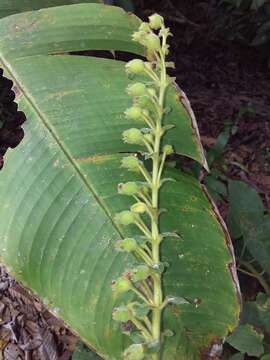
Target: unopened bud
x: 135, y: 66
x: 138, y: 36
x: 129, y: 188
x: 144, y: 27
x: 125, y: 218
x: 134, y: 113
x: 168, y: 149
x: 143, y: 101
x: 131, y: 163
x: 128, y: 245
x: 133, y: 136
x: 152, y: 42
x: 122, y: 314
x: 142, y: 272
x: 137, y: 89
x: 156, y: 21
x: 121, y: 285
x: 139, y: 208
x: 134, y: 352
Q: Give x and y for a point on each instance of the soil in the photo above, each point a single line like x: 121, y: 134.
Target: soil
x: 221, y: 79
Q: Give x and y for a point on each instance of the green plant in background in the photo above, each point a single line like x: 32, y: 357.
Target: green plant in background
x: 58, y: 222
x: 245, y: 21
x: 217, y: 180
x: 246, y: 4
x: 249, y: 225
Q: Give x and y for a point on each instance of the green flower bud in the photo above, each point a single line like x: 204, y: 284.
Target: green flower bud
x: 168, y: 149
x: 137, y: 89
x: 135, y: 66
x: 128, y: 244
x: 144, y: 27
x: 152, y: 42
x: 129, y: 188
x: 121, y: 285
x: 121, y: 314
x: 125, y: 218
x: 138, y: 36
x: 143, y: 101
x: 156, y: 21
x: 139, y: 208
x: 134, y: 113
x: 134, y: 352
x: 133, y: 136
x: 142, y: 272
x: 131, y: 163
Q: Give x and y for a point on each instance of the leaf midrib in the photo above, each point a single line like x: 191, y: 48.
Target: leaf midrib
x: 5, y: 65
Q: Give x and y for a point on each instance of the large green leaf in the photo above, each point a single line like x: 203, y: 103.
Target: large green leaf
x: 83, y: 353
x: 247, y: 219
x: 246, y: 208
x: 58, y: 189
x: 10, y: 7
x: 247, y: 340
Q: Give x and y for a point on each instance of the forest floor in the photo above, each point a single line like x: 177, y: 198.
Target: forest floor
x: 222, y: 80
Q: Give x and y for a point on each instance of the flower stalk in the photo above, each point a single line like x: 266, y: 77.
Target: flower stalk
x: 149, y: 109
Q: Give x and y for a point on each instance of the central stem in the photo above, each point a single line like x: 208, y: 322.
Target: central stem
x: 157, y: 281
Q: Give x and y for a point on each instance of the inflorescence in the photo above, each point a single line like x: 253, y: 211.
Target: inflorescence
x: 145, y: 280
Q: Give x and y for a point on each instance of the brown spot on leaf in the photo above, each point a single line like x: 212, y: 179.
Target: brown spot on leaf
x: 176, y: 310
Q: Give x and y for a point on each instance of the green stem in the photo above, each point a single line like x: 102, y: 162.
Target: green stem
x: 144, y: 198
x: 150, y: 290
x: 143, y: 255
x: 156, y: 174
x: 143, y: 329
x: 148, y: 323
x: 161, y: 166
x: 253, y: 272
x: 148, y: 146
x: 141, y: 296
x: 140, y: 224
x: 152, y: 75
x: 149, y: 122
x: 145, y: 173
x: 146, y: 290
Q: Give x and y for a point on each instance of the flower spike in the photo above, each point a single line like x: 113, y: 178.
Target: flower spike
x: 145, y: 280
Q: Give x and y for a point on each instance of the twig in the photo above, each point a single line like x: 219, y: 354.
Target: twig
x: 254, y: 273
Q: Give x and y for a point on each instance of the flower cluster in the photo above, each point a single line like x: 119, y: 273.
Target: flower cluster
x: 147, y: 111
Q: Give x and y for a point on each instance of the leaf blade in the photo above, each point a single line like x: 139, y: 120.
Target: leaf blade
x: 61, y: 193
